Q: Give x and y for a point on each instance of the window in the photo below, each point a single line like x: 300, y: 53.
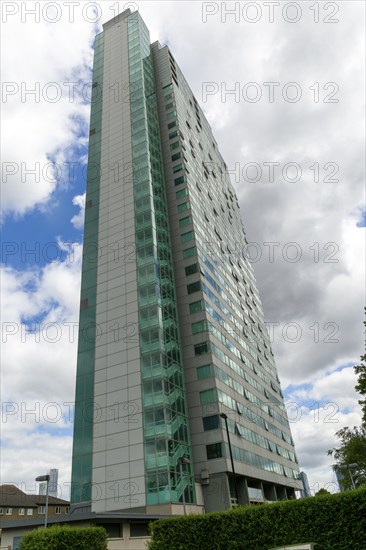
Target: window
x: 21, y: 511
x: 58, y: 510
x: 172, y: 124
x: 67, y: 510
x: 1, y: 511
x: 168, y: 87
x: 217, y: 233
x: 175, y: 145
x: 139, y: 529
x: 176, y: 156
x: 173, y: 134
x: 41, y: 509
x: 211, y: 422
x: 214, y: 451
x: 195, y: 307
x: 182, y: 193
x: 169, y: 105
x: 113, y: 529
x: 199, y: 326
x: 189, y: 252
x: 180, y: 180
x: 208, y: 396
x: 240, y: 430
x: 273, y: 386
x: 9, y: 511
x: 201, y: 349
x: 149, y: 337
x: 172, y: 114
x: 178, y: 168
x: 29, y: 511
x: 185, y: 221
x: 190, y: 269
x: 194, y: 287
x: 205, y: 372
x: 186, y: 237
x: 184, y: 206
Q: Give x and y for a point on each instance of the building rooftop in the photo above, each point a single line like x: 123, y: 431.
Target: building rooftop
x: 10, y: 495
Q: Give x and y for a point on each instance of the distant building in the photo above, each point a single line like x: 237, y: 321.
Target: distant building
x: 340, y: 479
x: 127, y: 531
x: 53, y: 484
x: 305, y: 492
x: 345, y: 476
x: 17, y: 505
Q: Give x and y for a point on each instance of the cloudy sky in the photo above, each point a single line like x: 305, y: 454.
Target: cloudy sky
x: 282, y: 87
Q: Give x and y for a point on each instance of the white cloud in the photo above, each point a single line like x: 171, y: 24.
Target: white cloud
x: 314, y: 434
x: 316, y: 413
x: 39, y: 345
x: 42, y: 127
x: 311, y: 293
x: 78, y: 220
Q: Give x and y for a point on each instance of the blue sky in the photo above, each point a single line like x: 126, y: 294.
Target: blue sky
x: 315, y: 293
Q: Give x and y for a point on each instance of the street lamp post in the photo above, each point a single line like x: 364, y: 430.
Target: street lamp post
x: 224, y: 416
x: 181, y: 461
x: 45, y: 478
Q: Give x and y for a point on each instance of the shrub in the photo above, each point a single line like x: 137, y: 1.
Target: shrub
x: 65, y: 538
x: 334, y: 522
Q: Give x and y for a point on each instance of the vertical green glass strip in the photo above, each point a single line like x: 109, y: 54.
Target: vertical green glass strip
x: 166, y: 434
x: 81, y: 478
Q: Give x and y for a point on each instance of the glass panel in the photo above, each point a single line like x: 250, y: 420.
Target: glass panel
x: 208, y: 396
x: 211, y: 422
x: 194, y: 287
x: 194, y: 307
x: 191, y: 269
x: 214, y: 451
x: 205, y: 372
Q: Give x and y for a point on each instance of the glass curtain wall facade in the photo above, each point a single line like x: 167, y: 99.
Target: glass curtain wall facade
x: 84, y: 398
x: 196, y: 344
x: 166, y: 438
x: 228, y: 362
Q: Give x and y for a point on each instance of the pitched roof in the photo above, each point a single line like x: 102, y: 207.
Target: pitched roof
x: 12, y: 496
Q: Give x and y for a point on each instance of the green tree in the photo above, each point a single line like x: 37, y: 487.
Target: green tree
x: 360, y: 387
x: 352, y: 450
x: 322, y: 492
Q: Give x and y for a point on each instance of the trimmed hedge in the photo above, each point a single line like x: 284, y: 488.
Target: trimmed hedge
x: 334, y: 522
x: 65, y: 538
